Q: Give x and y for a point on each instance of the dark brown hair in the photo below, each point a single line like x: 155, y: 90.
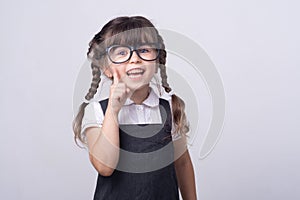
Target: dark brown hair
x: 141, y: 30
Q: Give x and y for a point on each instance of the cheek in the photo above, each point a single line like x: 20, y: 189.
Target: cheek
x: 153, y: 68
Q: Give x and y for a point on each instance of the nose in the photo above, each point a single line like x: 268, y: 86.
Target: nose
x: 135, y: 58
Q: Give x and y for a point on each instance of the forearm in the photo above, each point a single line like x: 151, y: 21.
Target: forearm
x: 104, y: 145
x: 186, y: 177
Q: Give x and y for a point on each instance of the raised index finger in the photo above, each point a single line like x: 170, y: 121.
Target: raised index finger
x: 116, y: 77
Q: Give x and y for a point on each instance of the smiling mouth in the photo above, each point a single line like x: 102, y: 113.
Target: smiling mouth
x: 136, y: 72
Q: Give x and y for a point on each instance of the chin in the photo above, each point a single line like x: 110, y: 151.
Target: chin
x: 137, y: 86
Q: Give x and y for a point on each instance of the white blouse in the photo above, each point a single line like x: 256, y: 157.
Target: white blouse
x: 146, y: 113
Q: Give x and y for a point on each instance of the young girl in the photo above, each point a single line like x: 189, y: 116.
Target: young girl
x: 137, y: 136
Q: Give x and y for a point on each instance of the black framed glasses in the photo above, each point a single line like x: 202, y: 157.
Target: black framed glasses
x: 122, y: 53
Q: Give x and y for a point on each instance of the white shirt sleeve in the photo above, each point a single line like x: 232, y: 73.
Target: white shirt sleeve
x: 93, y: 116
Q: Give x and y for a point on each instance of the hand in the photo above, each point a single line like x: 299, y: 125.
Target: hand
x: 119, y: 92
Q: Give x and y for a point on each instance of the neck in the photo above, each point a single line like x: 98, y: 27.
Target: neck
x: 140, y: 94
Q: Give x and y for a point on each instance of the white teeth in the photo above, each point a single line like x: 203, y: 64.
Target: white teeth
x: 134, y: 75
x: 134, y: 72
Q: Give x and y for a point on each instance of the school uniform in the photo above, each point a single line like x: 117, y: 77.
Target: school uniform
x: 145, y: 170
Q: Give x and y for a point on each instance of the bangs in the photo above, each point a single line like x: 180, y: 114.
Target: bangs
x: 132, y: 37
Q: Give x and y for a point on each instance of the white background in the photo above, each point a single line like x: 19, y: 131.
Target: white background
x: 254, y: 45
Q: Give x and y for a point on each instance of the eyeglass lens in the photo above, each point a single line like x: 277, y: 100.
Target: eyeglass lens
x: 120, y: 53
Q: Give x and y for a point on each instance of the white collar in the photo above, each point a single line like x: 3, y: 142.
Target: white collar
x: 152, y: 100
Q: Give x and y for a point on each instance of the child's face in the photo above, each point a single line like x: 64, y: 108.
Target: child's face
x: 135, y: 72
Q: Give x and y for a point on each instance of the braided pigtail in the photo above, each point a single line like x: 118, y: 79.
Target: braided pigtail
x: 178, y: 105
x: 179, y: 115
x: 91, y: 93
x: 77, y: 124
x: 94, y: 53
x: 164, y: 78
x: 96, y: 72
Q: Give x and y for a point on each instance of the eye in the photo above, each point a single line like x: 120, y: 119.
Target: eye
x: 147, y: 49
x: 122, y: 53
x: 119, y: 51
x: 144, y: 50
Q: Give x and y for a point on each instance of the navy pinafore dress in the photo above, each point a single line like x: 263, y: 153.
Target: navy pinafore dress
x: 145, y: 170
